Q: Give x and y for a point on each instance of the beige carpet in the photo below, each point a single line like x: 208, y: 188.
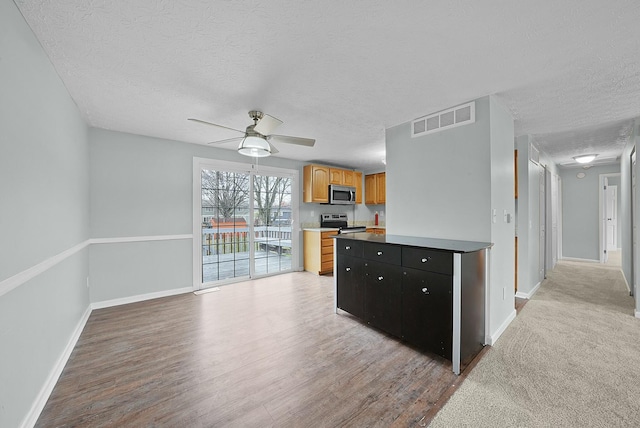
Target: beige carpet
x: 571, y: 358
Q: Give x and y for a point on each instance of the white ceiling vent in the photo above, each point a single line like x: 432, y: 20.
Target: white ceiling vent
x: 446, y: 119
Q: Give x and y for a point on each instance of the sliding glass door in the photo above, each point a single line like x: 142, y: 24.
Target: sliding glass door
x: 243, y: 219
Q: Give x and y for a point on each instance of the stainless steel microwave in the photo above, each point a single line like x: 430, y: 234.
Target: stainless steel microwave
x: 342, y: 195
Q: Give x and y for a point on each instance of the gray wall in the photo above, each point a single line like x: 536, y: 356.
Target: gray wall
x: 444, y: 185
x: 580, y: 211
x: 44, y: 186
x: 142, y: 186
x: 528, y: 206
x: 438, y: 185
x: 628, y: 255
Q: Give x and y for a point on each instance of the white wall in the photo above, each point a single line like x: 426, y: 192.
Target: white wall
x: 44, y: 182
x: 445, y: 184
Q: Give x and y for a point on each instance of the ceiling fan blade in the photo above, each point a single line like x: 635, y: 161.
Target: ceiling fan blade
x: 309, y: 142
x: 267, y: 124
x: 273, y: 148
x: 228, y: 140
x: 213, y: 124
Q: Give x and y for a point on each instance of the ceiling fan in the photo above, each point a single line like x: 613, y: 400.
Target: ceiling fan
x: 257, y: 138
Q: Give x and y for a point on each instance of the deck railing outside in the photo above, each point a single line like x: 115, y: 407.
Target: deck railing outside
x: 236, y: 240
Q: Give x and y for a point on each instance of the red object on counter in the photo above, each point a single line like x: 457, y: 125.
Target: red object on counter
x: 376, y: 220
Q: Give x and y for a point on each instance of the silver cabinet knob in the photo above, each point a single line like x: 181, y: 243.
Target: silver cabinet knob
x: 425, y: 259
x: 347, y: 247
x: 348, y: 269
x: 380, y: 278
x: 424, y: 290
x: 379, y: 253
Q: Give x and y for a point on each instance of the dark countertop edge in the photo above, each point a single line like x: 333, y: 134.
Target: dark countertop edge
x: 453, y: 245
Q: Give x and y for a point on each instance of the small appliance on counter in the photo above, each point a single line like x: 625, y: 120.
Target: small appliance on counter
x: 339, y: 221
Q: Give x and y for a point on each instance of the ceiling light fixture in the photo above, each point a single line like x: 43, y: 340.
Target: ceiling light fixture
x: 255, y: 146
x: 584, y: 158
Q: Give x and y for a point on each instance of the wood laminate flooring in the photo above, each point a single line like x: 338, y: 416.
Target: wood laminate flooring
x: 262, y: 353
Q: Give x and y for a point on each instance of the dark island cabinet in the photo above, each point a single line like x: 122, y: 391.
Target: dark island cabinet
x: 427, y: 310
x: 350, y: 273
x: 428, y: 292
x: 382, y: 296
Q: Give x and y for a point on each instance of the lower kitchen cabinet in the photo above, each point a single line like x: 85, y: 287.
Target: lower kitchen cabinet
x: 350, y: 297
x: 428, y: 292
x: 382, y: 296
x: 427, y: 310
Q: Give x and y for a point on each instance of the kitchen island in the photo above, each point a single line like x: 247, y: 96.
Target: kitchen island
x: 428, y: 292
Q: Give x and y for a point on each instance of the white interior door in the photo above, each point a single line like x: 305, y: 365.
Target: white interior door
x: 611, y: 217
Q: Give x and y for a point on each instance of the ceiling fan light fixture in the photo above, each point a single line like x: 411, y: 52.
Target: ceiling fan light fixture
x: 254, y: 146
x: 584, y: 158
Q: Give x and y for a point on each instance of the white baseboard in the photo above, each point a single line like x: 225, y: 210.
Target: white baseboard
x: 494, y: 337
x: 37, y: 406
x: 140, y: 298
x: 575, y: 259
x: 530, y: 294
x: 625, y: 281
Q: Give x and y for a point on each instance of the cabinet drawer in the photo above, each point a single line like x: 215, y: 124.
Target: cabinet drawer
x: 326, y: 258
x: 326, y: 250
x: 328, y: 235
x: 429, y: 260
x: 327, y: 266
x: 351, y: 248
x: 383, y: 253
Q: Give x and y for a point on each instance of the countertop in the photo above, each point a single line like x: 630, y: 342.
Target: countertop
x: 416, y: 241
x: 320, y: 229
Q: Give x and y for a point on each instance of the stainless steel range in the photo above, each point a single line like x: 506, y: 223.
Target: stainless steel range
x: 339, y: 221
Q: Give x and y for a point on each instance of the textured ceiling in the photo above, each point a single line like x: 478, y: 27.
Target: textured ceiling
x: 343, y: 71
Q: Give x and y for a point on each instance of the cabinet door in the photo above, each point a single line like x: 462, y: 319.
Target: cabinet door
x: 335, y: 176
x: 348, y: 178
x: 350, y: 279
x: 357, y: 182
x: 381, y: 188
x: 320, y: 183
x: 370, y: 189
x: 383, y: 296
x: 427, y: 310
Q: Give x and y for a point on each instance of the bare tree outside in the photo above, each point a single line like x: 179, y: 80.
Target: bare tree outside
x: 225, y: 192
x: 269, y: 196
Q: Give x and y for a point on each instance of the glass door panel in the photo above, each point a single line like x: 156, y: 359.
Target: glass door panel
x: 225, y: 231
x: 272, y: 223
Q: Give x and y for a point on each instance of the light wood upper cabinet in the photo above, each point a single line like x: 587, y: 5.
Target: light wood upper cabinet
x: 375, y: 188
x: 335, y: 176
x: 316, y: 180
x: 381, y: 188
x: 348, y: 178
x: 357, y: 178
x: 370, y: 189
x: 315, y: 184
